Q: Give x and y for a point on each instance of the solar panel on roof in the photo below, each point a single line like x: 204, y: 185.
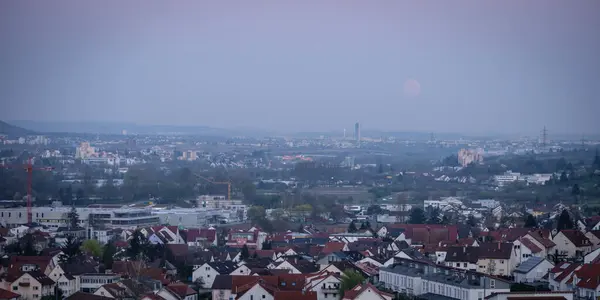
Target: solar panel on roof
x: 529, y: 264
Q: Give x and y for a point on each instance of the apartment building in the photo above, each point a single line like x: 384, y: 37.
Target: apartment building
x: 421, y: 278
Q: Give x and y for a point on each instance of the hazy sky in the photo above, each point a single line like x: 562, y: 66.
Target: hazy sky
x: 501, y: 66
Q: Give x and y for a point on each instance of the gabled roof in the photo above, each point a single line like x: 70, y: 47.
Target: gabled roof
x: 180, y: 289
x: 222, y: 282
x: 295, y: 295
x: 567, y: 272
x: 117, y: 290
x: 529, y: 265
x: 577, y: 238
x: 223, y: 267
x: 208, y: 234
x: 596, y: 233
x: 41, y: 278
x: 17, y: 262
x: 589, y: 275
x: 462, y: 254
x: 542, y: 239
x: 530, y: 245
x: 333, y: 247
x: 359, y: 289
x: 495, y: 250
x: 4, y: 295
x: 304, y: 266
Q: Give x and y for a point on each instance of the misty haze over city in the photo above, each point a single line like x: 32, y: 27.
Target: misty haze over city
x: 300, y: 150
x: 481, y: 67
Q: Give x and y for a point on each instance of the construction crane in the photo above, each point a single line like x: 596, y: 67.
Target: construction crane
x: 29, y: 169
x: 218, y: 182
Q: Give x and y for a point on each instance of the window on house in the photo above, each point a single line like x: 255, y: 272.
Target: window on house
x: 15, y: 288
x: 263, y: 296
x: 492, y: 283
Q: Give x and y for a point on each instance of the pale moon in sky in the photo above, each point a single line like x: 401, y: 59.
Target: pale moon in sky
x: 412, y: 88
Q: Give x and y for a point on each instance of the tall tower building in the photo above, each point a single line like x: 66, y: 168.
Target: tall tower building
x: 357, y: 132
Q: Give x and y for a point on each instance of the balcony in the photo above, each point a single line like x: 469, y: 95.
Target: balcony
x: 330, y: 289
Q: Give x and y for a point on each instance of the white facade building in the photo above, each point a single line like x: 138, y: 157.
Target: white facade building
x: 414, y: 278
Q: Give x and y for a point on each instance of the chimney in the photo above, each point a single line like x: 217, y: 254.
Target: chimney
x: 464, y: 249
x: 498, y: 245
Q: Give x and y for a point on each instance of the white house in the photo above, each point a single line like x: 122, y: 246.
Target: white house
x: 572, y: 243
x: 532, y: 270
x: 68, y: 284
x: 241, y: 270
x: 33, y: 286
x: 366, y: 292
x: 207, y: 272
x: 325, y: 284
x: 257, y: 292
x: 177, y: 291
x: 524, y: 248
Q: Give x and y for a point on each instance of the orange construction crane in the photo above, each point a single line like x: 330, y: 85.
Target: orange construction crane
x: 29, y: 169
x: 218, y: 182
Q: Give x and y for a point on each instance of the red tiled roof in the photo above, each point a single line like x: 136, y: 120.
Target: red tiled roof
x: 5, y: 295
x: 567, y: 272
x: 180, y: 289
x: 295, y: 295
x: 589, y: 275
x: 331, y: 247
x: 540, y: 238
x: 577, y: 238
x: 209, y: 235
x: 17, y: 262
x: 596, y: 233
x: 530, y: 245
x: 428, y: 233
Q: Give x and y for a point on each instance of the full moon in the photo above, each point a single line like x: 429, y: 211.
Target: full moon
x: 412, y: 88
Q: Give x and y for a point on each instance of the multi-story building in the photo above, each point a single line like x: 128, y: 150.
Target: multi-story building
x: 420, y: 278
x: 468, y: 156
x: 84, y: 151
x: 93, y: 281
x: 199, y: 217
x: 57, y: 216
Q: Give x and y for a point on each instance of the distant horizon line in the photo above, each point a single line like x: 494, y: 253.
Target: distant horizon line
x: 322, y: 131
